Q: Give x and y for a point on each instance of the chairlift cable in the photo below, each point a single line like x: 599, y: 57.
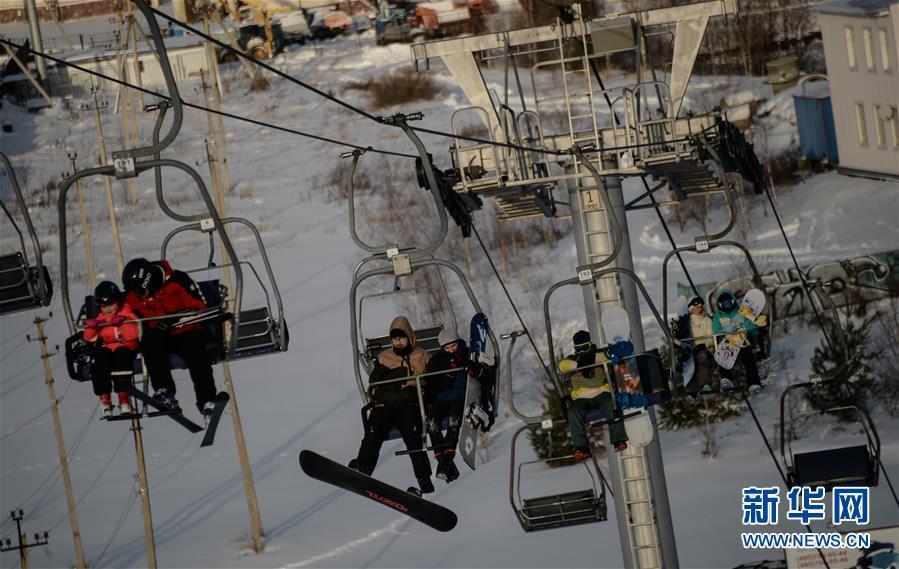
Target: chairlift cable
x: 201, y: 107
x: 527, y: 332
x: 340, y: 101
x: 93, y: 484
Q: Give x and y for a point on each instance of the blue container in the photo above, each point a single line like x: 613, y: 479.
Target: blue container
x: 817, y: 137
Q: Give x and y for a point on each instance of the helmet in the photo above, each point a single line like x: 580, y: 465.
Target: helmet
x: 726, y: 302
x: 106, y: 293
x: 140, y: 275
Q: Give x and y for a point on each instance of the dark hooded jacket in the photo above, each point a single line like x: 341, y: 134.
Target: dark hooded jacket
x: 392, y: 365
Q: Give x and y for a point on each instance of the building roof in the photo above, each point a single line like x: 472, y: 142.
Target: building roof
x: 859, y: 8
x: 105, y: 53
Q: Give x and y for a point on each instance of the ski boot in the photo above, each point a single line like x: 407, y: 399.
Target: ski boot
x: 425, y: 486
x: 106, y: 404
x: 167, y: 399
x: 124, y: 403
x: 581, y: 454
x: 446, y: 468
x: 207, y: 411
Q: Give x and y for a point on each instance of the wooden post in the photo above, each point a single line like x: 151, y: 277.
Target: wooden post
x: 85, y: 226
x: 60, y: 446
x: 110, y: 203
x: 217, y: 91
x: 256, y: 529
x: 142, y: 480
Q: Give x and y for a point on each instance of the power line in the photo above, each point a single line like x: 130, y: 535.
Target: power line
x: 201, y: 107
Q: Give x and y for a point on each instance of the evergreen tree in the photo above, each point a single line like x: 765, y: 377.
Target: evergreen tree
x: 557, y: 441
x: 845, y: 360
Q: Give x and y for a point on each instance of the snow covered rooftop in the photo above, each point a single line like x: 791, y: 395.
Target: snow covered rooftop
x: 854, y: 7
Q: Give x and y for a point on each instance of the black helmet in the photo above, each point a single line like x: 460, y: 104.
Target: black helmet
x: 106, y: 293
x: 140, y: 275
x: 726, y: 302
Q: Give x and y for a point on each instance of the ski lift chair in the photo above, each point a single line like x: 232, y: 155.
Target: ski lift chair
x: 853, y: 465
x: 22, y: 286
x: 739, y: 287
x: 260, y: 330
x: 366, y: 350
x: 561, y: 509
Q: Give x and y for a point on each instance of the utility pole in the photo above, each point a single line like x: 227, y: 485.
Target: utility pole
x: 34, y: 26
x: 110, y: 203
x: 60, y: 443
x: 149, y: 538
x: 256, y: 530
x: 23, y: 539
x: 85, y: 224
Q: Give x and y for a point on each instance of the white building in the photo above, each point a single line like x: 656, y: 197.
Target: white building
x: 860, y: 49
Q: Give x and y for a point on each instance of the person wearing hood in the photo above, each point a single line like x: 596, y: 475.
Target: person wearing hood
x: 396, y: 403
x: 589, y: 390
x: 728, y: 321
x: 446, y: 399
x: 697, y: 330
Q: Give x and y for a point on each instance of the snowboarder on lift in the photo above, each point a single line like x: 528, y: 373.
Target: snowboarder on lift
x: 589, y: 390
x: 446, y: 399
x: 696, y: 328
x: 154, y: 290
x: 396, y: 404
x: 728, y: 320
x: 116, y: 346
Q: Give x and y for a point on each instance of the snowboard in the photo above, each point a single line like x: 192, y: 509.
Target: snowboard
x: 326, y: 470
x: 221, y: 401
x: 753, y: 304
x: 688, y: 366
x: 178, y: 417
x: 616, y: 324
x: 477, y: 412
x: 728, y: 349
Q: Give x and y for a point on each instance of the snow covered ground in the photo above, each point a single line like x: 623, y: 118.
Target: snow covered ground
x: 306, y: 398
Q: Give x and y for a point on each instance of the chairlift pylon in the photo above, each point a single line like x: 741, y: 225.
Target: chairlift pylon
x: 23, y: 286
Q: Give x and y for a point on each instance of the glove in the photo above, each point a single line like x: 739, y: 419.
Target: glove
x: 117, y: 319
x: 475, y: 369
x: 761, y: 321
x: 91, y: 323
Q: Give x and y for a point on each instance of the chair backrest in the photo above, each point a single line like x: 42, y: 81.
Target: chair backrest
x: 832, y: 467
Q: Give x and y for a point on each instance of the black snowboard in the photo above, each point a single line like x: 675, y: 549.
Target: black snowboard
x: 221, y: 400
x: 177, y: 417
x: 326, y: 470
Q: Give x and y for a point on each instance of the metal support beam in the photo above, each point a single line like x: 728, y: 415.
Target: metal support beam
x: 465, y: 71
x: 687, y: 37
x: 661, y: 16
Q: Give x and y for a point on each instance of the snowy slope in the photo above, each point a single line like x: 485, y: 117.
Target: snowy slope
x: 307, y: 398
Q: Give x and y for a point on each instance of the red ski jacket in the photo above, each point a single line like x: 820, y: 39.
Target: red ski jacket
x: 114, y: 337
x: 179, y: 293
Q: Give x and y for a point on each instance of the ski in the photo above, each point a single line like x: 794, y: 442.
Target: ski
x: 326, y: 470
x: 178, y: 417
x: 221, y: 401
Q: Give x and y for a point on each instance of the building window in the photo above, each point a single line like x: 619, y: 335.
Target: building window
x: 850, y: 47
x: 885, y: 50
x: 894, y: 126
x: 862, y: 127
x: 869, y: 49
x: 879, y: 131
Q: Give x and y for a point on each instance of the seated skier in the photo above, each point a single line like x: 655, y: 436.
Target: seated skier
x: 155, y: 290
x: 395, y: 404
x: 589, y: 390
x: 695, y: 328
x: 446, y: 399
x: 116, y: 346
x: 728, y: 321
